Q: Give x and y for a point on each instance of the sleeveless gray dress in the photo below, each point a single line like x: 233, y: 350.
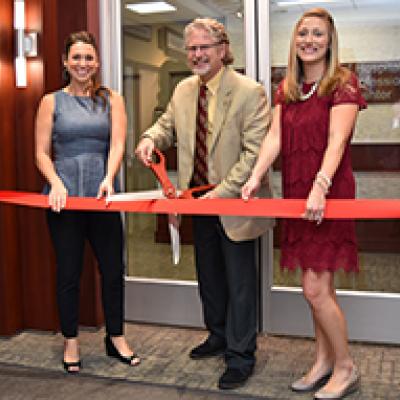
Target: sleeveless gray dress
x: 80, y: 143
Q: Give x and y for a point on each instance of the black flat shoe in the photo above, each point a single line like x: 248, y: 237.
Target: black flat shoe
x: 112, y: 351
x: 233, y: 378
x: 206, y: 349
x: 68, y: 365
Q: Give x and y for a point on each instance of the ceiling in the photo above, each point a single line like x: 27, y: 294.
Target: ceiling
x: 190, y: 9
x: 186, y: 11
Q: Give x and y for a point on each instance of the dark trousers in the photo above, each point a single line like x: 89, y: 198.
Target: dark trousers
x: 226, y: 272
x: 103, y: 230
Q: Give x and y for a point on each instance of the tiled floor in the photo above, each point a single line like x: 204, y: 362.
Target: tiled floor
x: 166, y: 363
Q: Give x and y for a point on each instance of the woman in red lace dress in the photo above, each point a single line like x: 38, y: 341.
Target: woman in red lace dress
x: 315, y: 113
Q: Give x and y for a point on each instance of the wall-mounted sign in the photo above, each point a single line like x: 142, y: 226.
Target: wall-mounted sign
x: 380, y: 81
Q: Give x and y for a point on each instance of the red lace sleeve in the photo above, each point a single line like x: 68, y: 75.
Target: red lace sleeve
x: 279, y: 97
x: 350, y: 92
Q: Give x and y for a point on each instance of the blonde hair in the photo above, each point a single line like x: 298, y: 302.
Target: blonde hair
x: 216, y: 30
x: 334, y: 74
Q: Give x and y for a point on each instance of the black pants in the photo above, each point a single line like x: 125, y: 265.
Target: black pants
x: 226, y: 272
x: 103, y: 230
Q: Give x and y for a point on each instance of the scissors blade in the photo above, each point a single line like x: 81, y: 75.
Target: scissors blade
x: 133, y: 196
x: 175, y: 243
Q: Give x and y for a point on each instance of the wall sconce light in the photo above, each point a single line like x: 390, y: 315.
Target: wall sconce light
x: 26, y: 43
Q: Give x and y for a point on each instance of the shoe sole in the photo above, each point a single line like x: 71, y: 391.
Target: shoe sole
x: 354, y: 387
x: 232, y: 386
x: 209, y: 355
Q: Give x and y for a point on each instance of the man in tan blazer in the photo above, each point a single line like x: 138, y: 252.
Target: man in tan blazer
x: 238, y: 118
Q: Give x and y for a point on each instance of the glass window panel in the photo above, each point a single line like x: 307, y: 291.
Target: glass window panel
x: 369, y: 39
x: 154, y: 62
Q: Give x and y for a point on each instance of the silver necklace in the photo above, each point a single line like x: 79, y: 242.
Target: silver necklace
x: 306, y: 96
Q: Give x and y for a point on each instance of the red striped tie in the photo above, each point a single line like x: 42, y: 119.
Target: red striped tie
x: 200, y: 172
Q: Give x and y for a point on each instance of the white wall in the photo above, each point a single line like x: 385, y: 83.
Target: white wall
x: 359, y: 41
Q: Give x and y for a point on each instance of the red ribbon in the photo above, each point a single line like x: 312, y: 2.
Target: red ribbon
x: 279, y: 208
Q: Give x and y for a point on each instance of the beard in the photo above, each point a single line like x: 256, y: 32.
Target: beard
x: 202, y: 69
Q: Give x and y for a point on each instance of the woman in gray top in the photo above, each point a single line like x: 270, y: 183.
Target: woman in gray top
x: 80, y: 141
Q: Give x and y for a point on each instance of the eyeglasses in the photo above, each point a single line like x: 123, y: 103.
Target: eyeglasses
x: 201, y: 47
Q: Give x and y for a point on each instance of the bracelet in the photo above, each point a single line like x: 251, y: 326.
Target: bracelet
x: 322, y: 184
x: 325, y: 178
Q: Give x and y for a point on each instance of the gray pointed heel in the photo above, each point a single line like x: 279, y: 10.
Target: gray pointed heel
x: 352, y: 386
x: 301, y: 386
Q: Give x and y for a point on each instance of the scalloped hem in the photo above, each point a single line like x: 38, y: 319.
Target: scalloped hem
x: 292, y: 266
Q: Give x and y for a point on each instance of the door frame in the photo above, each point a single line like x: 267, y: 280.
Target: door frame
x: 282, y: 310
x: 163, y: 301
x: 371, y: 316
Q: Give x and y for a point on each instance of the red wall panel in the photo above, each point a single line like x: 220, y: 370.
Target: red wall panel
x: 10, y: 274
x: 27, y: 267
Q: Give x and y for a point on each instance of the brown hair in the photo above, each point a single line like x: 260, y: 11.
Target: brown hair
x: 216, y: 31
x: 96, y: 90
x: 334, y: 74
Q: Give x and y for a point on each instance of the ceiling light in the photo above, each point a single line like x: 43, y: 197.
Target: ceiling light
x: 149, y: 8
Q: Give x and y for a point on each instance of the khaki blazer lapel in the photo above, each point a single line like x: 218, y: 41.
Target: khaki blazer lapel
x: 188, y: 112
x: 224, y: 99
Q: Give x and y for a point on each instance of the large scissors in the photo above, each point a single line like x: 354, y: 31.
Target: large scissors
x: 167, y: 191
x: 160, y: 171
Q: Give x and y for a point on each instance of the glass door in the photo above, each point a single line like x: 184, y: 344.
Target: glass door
x: 368, y: 45
x: 153, y: 61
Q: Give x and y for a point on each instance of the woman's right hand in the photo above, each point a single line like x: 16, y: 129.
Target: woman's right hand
x: 250, y: 188
x: 57, y: 197
x: 144, y: 150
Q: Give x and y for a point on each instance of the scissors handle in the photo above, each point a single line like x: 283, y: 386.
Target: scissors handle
x: 160, y: 171
x: 188, y: 193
